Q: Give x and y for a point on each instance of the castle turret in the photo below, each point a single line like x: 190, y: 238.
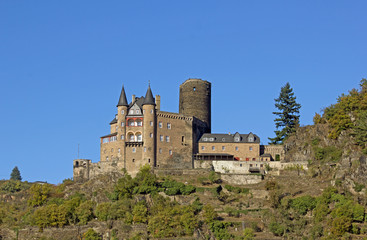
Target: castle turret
x: 195, y: 100
x: 149, y: 125
x: 122, y: 106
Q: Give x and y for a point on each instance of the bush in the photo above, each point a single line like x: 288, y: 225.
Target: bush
x: 214, y: 177
x: 91, y: 235
x: 39, y: 194
x: 303, y: 204
x: 276, y: 228
x: 85, y: 212
x: 358, y: 187
x: 248, y: 234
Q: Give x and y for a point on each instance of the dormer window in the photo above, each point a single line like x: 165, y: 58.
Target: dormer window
x: 211, y: 139
x: 250, y: 139
x: 137, y: 111
x: 223, y: 139
x: 236, y: 139
x: 131, y: 111
x: 205, y: 139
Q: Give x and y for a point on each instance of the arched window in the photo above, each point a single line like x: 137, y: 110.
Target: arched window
x: 131, y: 137
x: 139, y: 122
x: 139, y: 137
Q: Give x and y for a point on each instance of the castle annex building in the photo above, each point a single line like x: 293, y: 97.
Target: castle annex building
x: 140, y: 133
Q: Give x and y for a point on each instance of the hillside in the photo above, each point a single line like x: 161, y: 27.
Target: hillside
x: 326, y: 202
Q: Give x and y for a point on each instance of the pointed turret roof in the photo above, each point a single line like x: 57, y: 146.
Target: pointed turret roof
x: 122, y: 100
x: 149, y: 99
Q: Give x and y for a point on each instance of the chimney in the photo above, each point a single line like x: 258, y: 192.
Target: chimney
x: 158, y: 102
x: 133, y: 99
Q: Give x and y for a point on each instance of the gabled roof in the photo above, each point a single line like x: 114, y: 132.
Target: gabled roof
x: 229, y: 138
x: 123, y: 99
x: 149, y: 99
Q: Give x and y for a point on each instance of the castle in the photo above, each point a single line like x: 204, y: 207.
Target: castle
x: 140, y: 134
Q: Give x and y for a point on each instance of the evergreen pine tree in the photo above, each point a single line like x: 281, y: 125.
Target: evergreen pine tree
x: 15, y: 174
x: 288, y: 116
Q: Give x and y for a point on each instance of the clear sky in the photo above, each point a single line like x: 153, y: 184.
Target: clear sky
x: 62, y: 65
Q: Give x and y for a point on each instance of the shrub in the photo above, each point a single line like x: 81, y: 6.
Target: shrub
x: 91, y: 235
x: 358, y: 187
x: 39, y: 194
x: 214, y: 177
x: 303, y: 204
x: 85, y: 212
x: 276, y: 228
x: 248, y: 234
x: 210, y: 214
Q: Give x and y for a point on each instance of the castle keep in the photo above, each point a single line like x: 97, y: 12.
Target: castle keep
x: 140, y: 134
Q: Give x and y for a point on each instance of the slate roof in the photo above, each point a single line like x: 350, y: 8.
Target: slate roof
x: 122, y: 99
x: 149, y: 99
x: 110, y: 135
x: 113, y: 121
x: 228, y: 138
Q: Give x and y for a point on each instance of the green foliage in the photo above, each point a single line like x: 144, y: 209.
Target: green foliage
x: 12, y: 186
x: 288, y: 116
x: 237, y: 190
x: 140, y: 213
x: 124, y: 187
x: 15, y: 174
x: 248, y: 234
x: 303, y: 204
x: 220, y: 231
x: 341, y: 225
x: 276, y: 228
x: 358, y: 187
x: 168, y: 219
x: 329, y: 153
x: 271, y: 185
x: 340, y: 115
x: 209, y: 214
x: 214, y: 177
x: 50, y: 216
x: 39, y: 194
x: 91, y: 235
x: 145, y: 181
x: 172, y: 187
x: 84, y: 211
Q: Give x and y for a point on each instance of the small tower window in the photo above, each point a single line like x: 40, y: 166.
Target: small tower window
x: 161, y: 138
x: 145, y: 149
x: 202, y: 148
x: 194, y: 89
x: 250, y: 148
x: 122, y: 111
x: 151, y: 111
x: 134, y: 150
x: 151, y: 123
x: 160, y: 150
x: 167, y: 138
x: 151, y: 135
x: 168, y: 125
x: 160, y: 124
x: 236, y: 148
x: 170, y: 152
x: 213, y: 148
x: 122, y: 124
x: 223, y: 148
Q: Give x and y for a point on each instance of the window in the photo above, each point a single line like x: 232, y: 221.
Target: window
x: 202, y: 148
x: 241, y: 165
x: 151, y: 123
x: 143, y: 111
x: 213, y: 148
x: 167, y: 138
x: 250, y: 148
x: 247, y: 159
x: 137, y: 111
x: 113, y: 138
x: 205, y: 139
x: 131, y: 138
x: 119, y: 150
x: 149, y: 160
x: 122, y: 111
x: 261, y: 165
x: 131, y: 111
x: 122, y: 137
x: 170, y: 152
x: 168, y: 125
x: 253, y: 159
x: 106, y: 158
x: 211, y: 139
x: 117, y: 127
x: 139, y: 137
x: 223, y: 139
x: 145, y: 149
x: 160, y: 150
x: 223, y: 148
x: 194, y: 89
x: 131, y: 123
x: 236, y: 148
x: 250, y: 139
x: 151, y: 135
x: 160, y: 124
x: 151, y: 111
x: 122, y: 124
x: 134, y: 150
x: 236, y: 139
x: 111, y: 149
x: 105, y: 140
x: 183, y: 139
x: 161, y: 138
x: 250, y: 165
x: 139, y: 123
x: 133, y: 160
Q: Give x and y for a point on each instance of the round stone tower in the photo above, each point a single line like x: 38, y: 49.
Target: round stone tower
x: 195, y: 100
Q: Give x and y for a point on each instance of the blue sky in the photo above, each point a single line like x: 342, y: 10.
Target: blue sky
x: 62, y: 65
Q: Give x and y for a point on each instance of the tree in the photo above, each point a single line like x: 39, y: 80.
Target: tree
x: 15, y: 174
x: 287, y: 117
